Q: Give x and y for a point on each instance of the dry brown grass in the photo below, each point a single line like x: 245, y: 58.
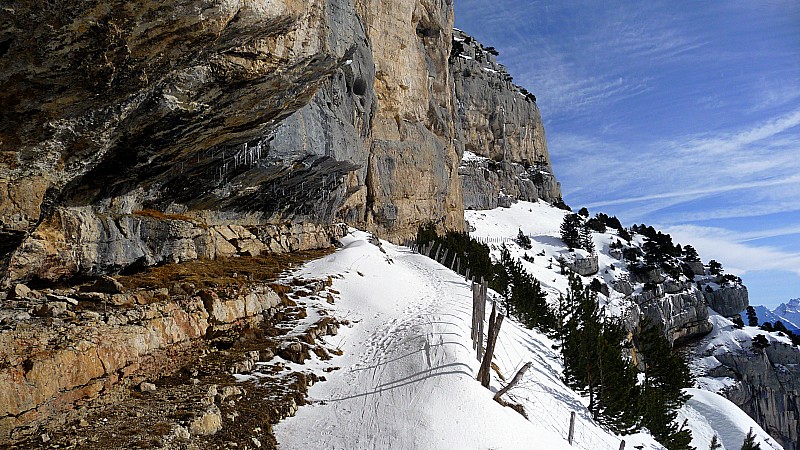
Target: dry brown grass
x: 221, y: 272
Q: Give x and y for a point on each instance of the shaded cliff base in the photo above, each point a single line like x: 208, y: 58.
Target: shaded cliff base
x: 149, y: 362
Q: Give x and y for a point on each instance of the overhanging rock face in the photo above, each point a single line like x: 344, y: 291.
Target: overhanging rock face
x: 262, y: 114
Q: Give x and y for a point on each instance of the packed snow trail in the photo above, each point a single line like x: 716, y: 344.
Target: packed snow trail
x: 408, y: 372
x: 407, y: 376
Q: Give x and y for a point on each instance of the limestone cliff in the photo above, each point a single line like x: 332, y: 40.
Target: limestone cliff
x: 132, y: 132
x: 502, y: 131
x: 764, y: 383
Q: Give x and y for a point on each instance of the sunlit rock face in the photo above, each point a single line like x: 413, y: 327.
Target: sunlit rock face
x: 501, y: 129
x: 134, y: 128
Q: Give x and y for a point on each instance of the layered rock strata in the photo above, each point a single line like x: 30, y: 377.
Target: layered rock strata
x: 65, y: 353
x: 501, y: 126
x: 72, y: 356
x: 728, y: 300
x: 683, y: 315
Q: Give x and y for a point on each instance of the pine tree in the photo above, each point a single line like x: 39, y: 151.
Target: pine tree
x: 523, y: 241
x: 714, y: 268
x: 750, y: 442
x: 587, y: 243
x: 715, y: 445
x: 593, y: 360
x: 618, y: 381
x: 690, y: 254
x: 665, y: 376
x: 571, y: 231
x: 752, y: 317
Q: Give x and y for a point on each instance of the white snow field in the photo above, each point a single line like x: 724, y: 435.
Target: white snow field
x: 406, y: 379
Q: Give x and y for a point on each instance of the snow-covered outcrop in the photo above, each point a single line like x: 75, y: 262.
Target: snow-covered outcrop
x: 764, y: 382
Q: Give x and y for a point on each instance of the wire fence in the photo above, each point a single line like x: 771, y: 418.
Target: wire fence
x: 541, y: 404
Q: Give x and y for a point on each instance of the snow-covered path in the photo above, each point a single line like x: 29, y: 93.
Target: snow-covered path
x: 407, y: 376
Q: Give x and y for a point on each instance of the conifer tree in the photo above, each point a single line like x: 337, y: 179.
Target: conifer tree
x: 752, y: 317
x: 690, y: 254
x: 571, y: 231
x: 618, y: 381
x: 714, y: 268
x: 587, y: 243
x: 665, y: 376
x: 715, y: 445
x: 593, y: 361
x: 750, y: 442
x: 523, y: 241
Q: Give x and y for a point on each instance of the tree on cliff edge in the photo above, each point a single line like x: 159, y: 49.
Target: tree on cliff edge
x: 752, y: 318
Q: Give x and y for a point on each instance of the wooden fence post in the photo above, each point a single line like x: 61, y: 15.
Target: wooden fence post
x: 571, y: 427
x: 474, y: 334
x: 495, y: 321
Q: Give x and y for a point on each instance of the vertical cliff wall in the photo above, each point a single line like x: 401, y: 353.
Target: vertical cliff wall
x: 137, y: 133
x: 501, y: 129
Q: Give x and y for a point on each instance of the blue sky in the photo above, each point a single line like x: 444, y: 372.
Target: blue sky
x: 682, y: 115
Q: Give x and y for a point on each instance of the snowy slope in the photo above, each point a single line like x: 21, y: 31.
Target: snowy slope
x: 721, y: 416
x: 407, y: 377
x: 710, y: 414
x: 542, y: 222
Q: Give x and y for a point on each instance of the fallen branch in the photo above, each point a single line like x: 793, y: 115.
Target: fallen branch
x: 510, y: 385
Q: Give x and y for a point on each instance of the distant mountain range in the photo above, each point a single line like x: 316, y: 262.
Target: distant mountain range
x: 788, y: 313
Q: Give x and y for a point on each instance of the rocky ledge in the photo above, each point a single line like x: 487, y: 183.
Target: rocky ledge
x: 79, y: 363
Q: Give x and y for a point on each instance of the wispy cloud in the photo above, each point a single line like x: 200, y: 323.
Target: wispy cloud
x: 753, y: 170
x: 695, y: 193
x: 731, y: 142
x: 737, y: 255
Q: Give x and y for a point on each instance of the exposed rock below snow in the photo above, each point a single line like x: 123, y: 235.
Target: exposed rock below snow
x: 683, y: 315
x: 728, y: 301
x: 583, y: 265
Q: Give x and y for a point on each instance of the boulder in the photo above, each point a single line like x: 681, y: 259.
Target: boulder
x: 728, y: 301
x: 208, y: 423
x: 104, y: 285
x: 19, y: 291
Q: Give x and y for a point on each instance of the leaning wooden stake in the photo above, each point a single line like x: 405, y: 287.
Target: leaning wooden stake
x: 513, y: 382
x: 571, y: 427
x: 474, y: 334
x: 495, y: 320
